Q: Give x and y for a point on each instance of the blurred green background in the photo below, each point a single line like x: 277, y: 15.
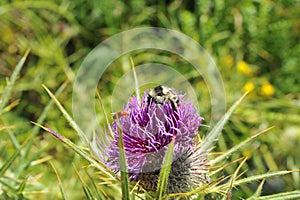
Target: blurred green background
x: 255, y: 44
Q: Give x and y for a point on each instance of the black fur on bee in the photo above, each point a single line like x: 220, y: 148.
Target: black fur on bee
x: 161, y: 94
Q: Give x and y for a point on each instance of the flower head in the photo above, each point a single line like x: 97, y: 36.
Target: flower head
x: 147, y: 129
x: 267, y: 89
x: 244, y: 68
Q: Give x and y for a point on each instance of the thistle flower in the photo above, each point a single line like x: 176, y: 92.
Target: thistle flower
x: 147, y: 129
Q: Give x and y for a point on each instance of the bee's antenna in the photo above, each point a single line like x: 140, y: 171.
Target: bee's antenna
x: 135, y: 81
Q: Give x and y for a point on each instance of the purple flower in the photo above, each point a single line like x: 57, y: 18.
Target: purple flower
x: 147, y: 129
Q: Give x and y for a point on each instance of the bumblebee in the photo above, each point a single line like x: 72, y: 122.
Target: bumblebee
x: 161, y: 94
x: 158, y: 95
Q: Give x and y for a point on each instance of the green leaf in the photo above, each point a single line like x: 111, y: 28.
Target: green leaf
x: 12, y: 81
x: 162, y: 183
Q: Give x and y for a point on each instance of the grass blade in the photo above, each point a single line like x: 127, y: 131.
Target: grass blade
x: 162, y: 183
x: 41, y: 119
x: 282, y: 196
x: 262, y: 176
x: 135, y: 81
x: 86, y: 189
x: 233, y: 177
x: 235, y: 148
x: 79, y: 151
x: 98, y: 192
x: 21, y: 188
x: 123, y: 166
x: 66, y: 115
x: 249, y: 180
x: 213, y: 135
x: 12, y: 81
x: 13, y: 138
x: 105, y: 114
x: 8, y: 163
x: 258, y: 191
x: 61, y: 188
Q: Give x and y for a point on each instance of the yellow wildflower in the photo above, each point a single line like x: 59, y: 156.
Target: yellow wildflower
x: 267, y: 89
x: 244, y: 68
x: 249, y: 86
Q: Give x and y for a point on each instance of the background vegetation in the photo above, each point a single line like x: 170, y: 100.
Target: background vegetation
x: 255, y: 45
